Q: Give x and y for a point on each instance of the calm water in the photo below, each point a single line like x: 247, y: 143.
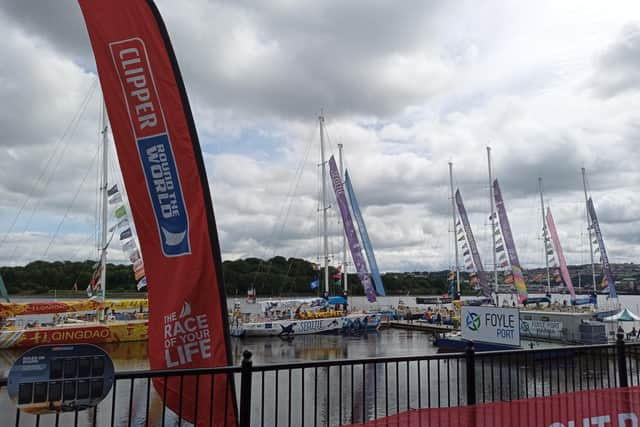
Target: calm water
x: 133, y: 356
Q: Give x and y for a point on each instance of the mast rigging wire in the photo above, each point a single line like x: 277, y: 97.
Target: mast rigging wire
x: 71, y: 126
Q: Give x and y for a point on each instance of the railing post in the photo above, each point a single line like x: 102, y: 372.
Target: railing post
x: 622, y: 359
x: 471, y: 373
x: 245, y: 389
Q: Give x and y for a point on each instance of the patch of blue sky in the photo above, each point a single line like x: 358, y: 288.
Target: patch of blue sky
x: 259, y: 143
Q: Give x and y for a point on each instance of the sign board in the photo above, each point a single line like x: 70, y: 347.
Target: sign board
x: 541, y: 328
x: 49, y: 378
x: 496, y: 325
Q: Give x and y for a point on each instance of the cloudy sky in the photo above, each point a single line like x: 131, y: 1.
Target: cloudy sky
x: 405, y: 87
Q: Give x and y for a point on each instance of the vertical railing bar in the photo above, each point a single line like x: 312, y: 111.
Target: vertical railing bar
x: 429, y: 383
x: 328, y: 395
x: 533, y: 369
x: 574, y: 361
x: 315, y: 397
x: 148, y: 398
x: 397, y: 387
x: 408, y: 387
x: 419, y: 386
x: 500, y: 377
x: 556, y: 363
x: 542, y: 363
x: 621, y: 353
x: 180, y: 404
x: 438, y: 389
x: 375, y: 390
x: 637, y: 365
x: 526, y: 375
x: 565, y: 370
x: 195, y: 406
x: 276, y: 397
x: 493, y: 387
x: 226, y: 397
x: 289, y: 404
x: 340, y: 394
x: 75, y: 418
x: 578, y: 369
x: 262, y: 405
x: 448, y: 384
x: 352, y: 396
x: 484, y: 398
x: 164, y: 400
x: 601, y: 367
x: 131, y: 385
x: 386, y: 389
x: 508, y: 361
x: 470, y: 359
x: 458, y: 382
x: 302, y: 392
x: 212, y: 395
x: 113, y: 403
x: 364, y: 394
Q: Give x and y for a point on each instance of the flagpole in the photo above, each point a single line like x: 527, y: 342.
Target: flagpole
x: 324, y: 209
x: 455, y: 236
x: 344, y: 237
x: 105, y: 167
x: 545, y: 238
x: 586, y: 202
x: 493, y: 224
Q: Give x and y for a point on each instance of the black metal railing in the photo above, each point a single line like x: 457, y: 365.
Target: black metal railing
x: 343, y: 392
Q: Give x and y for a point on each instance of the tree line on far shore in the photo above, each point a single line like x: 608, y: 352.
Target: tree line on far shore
x: 277, y: 276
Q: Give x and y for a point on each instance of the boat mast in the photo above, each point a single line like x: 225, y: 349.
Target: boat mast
x: 455, y: 237
x: 545, y: 234
x: 493, y: 222
x: 344, y: 237
x: 586, y: 202
x: 103, y: 189
x: 324, y: 209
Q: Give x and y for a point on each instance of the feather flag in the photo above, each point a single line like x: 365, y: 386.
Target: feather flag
x: 153, y: 130
x: 142, y: 284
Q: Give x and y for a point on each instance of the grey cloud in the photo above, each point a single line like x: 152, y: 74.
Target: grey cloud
x: 617, y: 67
x: 59, y: 23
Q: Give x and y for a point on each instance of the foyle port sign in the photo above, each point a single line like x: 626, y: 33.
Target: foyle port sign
x: 491, y: 324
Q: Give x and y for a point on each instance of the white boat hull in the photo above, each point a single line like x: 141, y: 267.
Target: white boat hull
x: 289, y: 327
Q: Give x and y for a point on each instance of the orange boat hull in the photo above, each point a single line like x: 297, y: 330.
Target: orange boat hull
x: 92, y: 333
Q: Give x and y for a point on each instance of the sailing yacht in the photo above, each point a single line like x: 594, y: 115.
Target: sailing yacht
x: 78, y: 321
x: 290, y: 317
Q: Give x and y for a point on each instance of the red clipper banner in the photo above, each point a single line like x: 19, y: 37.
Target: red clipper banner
x: 618, y: 407
x: 164, y: 174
